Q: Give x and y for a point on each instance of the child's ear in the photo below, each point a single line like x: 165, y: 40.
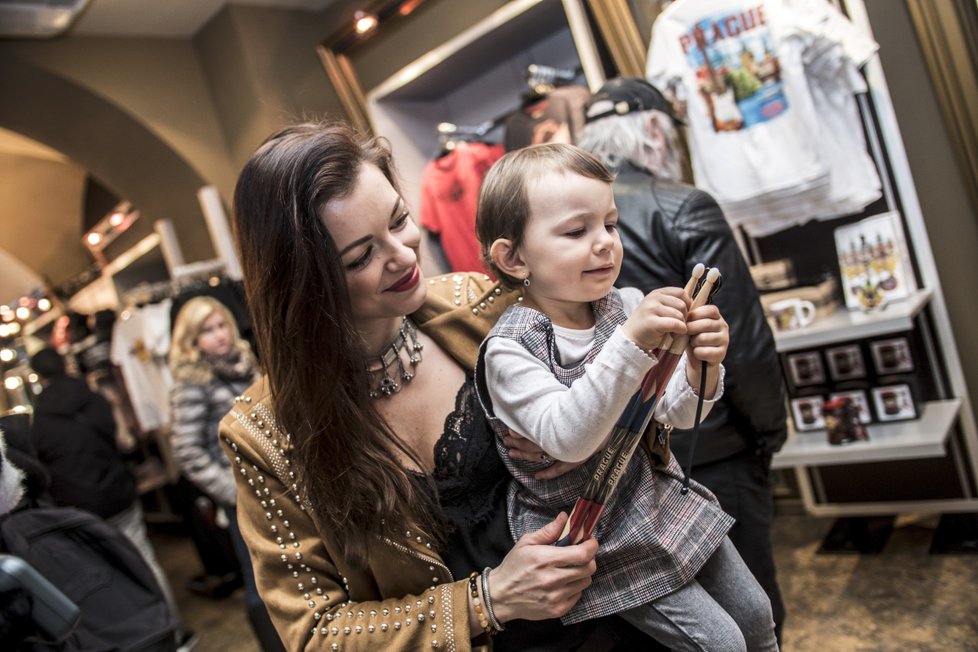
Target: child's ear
x: 507, y: 258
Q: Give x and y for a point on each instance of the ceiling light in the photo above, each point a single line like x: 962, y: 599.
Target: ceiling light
x: 6, y: 355
x: 13, y: 327
x: 44, y: 304
x: 116, y: 219
x: 23, y: 313
x: 408, y: 6
x: 4, y: 331
x: 13, y: 382
x: 94, y: 238
x: 37, y: 19
x: 364, y: 22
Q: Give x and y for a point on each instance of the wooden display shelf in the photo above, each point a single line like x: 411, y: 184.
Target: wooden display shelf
x: 923, y: 437
x: 844, y: 325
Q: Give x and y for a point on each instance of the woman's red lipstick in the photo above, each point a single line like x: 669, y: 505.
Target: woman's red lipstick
x: 407, y: 282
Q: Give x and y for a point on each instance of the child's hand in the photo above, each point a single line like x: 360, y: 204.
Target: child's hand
x: 661, y: 311
x: 709, y: 335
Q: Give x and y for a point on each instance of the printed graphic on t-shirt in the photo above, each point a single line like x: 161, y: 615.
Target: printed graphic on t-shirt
x: 737, y: 71
x: 455, y: 192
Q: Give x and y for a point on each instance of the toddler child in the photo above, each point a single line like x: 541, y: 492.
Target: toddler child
x: 559, y: 368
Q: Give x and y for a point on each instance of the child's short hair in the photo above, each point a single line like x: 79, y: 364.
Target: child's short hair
x: 504, y: 207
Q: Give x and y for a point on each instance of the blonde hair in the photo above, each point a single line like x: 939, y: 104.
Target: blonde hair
x: 187, y: 327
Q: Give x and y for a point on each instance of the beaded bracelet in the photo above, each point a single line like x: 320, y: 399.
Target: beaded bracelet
x: 498, y: 626
x: 477, y: 604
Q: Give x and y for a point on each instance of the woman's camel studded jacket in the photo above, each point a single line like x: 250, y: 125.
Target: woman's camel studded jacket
x: 404, y: 597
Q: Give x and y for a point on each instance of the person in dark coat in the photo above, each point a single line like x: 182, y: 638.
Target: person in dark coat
x: 666, y: 227
x: 74, y: 436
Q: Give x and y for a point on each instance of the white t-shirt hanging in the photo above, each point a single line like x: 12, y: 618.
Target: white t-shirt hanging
x: 738, y: 65
x: 835, y: 81
x: 139, y: 347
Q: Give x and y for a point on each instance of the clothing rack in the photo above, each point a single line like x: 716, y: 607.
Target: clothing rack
x: 146, y: 293
x: 542, y: 79
x: 186, y: 278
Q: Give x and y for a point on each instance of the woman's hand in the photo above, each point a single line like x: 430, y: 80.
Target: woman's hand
x: 538, y: 580
x: 661, y: 311
x: 709, y: 337
x: 519, y: 447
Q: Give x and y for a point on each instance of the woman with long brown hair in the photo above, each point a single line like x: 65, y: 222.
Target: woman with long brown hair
x: 370, y: 494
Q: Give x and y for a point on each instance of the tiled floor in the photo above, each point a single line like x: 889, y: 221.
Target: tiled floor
x: 900, y: 600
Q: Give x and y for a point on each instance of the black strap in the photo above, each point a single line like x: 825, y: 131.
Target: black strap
x: 696, y: 428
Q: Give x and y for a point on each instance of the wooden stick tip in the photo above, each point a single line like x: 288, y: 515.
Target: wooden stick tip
x: 712, y: 275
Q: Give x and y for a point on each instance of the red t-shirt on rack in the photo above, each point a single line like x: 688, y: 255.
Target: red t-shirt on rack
x: 449, y: 194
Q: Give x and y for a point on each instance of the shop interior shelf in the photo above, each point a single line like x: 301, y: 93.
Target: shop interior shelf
x: 923, y: 437
x: 844, y: 325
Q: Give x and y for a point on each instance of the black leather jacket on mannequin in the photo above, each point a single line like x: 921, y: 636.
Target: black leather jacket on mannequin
x: 666, y: 228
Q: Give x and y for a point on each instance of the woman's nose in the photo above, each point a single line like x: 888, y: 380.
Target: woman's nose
x: 404, y: 253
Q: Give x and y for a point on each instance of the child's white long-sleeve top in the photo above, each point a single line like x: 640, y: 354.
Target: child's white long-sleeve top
x: 571, y: 423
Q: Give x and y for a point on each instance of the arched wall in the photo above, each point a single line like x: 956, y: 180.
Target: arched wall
x: 110, y: 144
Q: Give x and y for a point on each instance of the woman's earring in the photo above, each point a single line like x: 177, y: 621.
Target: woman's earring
x: 526, y: 282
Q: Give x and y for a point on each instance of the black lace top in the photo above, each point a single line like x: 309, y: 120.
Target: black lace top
x: 471, y: 483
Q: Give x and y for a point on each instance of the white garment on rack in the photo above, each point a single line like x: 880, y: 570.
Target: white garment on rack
x: 140, y: 344
x: 797, y: 150
x: 834, y: 80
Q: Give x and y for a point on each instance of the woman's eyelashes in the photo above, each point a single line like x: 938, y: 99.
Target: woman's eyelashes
x: 396, y: 225
x: 361, y: 261
x: 400, y: 221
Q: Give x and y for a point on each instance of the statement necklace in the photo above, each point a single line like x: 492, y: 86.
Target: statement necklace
x: 381, y: 365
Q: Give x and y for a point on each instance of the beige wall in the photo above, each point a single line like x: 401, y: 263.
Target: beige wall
x: 160, y: 82
x: 54, y: 188
x: 263, y: 72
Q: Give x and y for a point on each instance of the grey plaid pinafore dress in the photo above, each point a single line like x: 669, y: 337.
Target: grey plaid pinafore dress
x: 654, y: 540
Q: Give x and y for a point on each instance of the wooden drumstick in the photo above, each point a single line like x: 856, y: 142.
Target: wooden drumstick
x: 698, y: 270
x: 712, y: 276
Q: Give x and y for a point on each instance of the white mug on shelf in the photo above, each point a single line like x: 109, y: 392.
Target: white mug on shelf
x: 792, y: 313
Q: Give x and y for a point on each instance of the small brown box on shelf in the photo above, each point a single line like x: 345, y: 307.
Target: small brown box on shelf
x: 895, y: 401
x: 773, y: 275
x: 805, y: 368
x: 892, y: 356
x: 846, y: 362
x: 806, y: 411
